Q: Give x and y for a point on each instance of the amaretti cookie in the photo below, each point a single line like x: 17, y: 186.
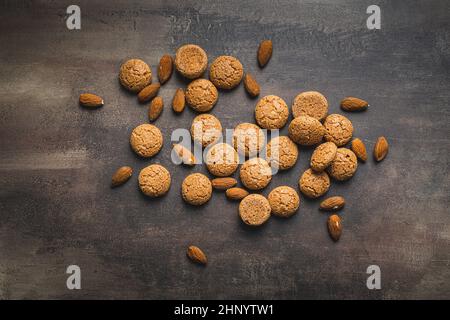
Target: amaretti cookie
x: 222, y: 160
x: 191, y: 61
x: 135, y: 75
x: 196, y: 189
x: 254, y: 210
x: 226, y: 72
x: 282, y: 152
x: 310, y: 103
x: 314, y: 184
x: 154, y: 180
x: 284, y: 201
x: 271, y: 112
x: 146, y: 140
x: 338, y: 128
x: 344, y: 165
x: 322, y: 156
x: 248, y: 138
x: 206, y: 129
x: 255, y: 174
x: 201, y: 95
x: 306, y: 130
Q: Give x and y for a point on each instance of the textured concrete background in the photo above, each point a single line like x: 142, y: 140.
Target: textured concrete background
x: 56, y: 160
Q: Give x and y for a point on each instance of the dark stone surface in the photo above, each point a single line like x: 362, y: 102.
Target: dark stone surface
x: 56, y: 160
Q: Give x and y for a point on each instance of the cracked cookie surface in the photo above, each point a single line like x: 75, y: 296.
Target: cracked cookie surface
x: 271, y: 112
x: 135, y: 75
x: 226, y: 72
x: 282, y: 152
x: 222, y: 160
x: 310, y: 103
x: 201, y: 95
x: 154, y: 180
x: 284, y: 201
x: 254, y: 210
x: 255, y: 174
x: 206, y: 129
x: 306, y: 130
x: 322, y: 156
x: 146, y: 140
x: 191, y: 61
x: 314, y: 184
x: 339, y: 129
x: 344, y: 164
x: 196, y: 189
x: 248, y: 138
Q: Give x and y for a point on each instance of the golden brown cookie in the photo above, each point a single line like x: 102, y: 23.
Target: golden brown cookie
x: 314, y: 184
x: 323, y: 156
x: 306, y: 130
x: 201, y: 95
x: 248, y: 138
x: 206, y: 129
x: 338, y: 129
x: 146, y: 140
x: 271, y: 112
x: 310, y: 103
x: 221, y: 160
x: 255, y: 173
x: 226, y: 72
x: 284, y: 201
x: 344, y: 165
x: 135, y: 74
x: 191, y: 61
x: 154, y: 180
x: 254, y: 210
x: 196, y: 189
x: 282, y: 152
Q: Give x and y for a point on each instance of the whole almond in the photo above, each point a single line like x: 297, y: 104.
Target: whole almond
x: 223, y: 183
x: 381, y: 149
x: 91, y: 100
x: 149, y: 92
x: 359, y: 149
x: 155, y: 108
x: 353, y: 104
x: 251, y: 85
x: 121, y: 176
x: 334, y: 227
x: 179, y: 101
x: 236, y: 193
x: 196, y: 255
x: 184, y: 154
x: 264, y: 52
x: 165, y: 68
x: 332, y: 203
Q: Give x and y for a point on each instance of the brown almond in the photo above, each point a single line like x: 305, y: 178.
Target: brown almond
x: 251, y: 85
x: 165, y: 68
x: 121, y: 176
x: 353, y: 104
x: 223, y: 183
x: 196, y: 255
x: 236, y: 193
x: 264, y: 52
x: 149, y: 92
x: 332, y: 203
x: 179, y: 101
x: 184, y: 154
x: 91, y: 100
x: 155, y: 108
x: 381, y: 149
x: 334, y: 227
x: 359, y: 149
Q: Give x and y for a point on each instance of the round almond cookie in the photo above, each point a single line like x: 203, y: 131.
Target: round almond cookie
x: 271, y: 112
x: 339, y: 129
x: 314, y: 184
x: 226, y: 72
x: 154, y: 180
x: 248, y: 138
x: 146, y: 140
x: 206, y: 129
x: 255, y: 174
x: 201, y: 95
x: 222, y: 160
x: 191, y: 61
x: 281, y: 152
x: 196, y: 189
x: 310, y: 103
x: 322, y: 156
x: 344, y: 165
x: 254, y: 210
x: 284, y: 201
x: 135, y: 75
x: 306, y: 130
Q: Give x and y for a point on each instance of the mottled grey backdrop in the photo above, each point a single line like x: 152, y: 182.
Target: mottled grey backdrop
x: 56, y: 207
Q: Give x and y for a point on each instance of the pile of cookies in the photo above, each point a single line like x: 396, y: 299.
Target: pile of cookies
x: 311, y: 125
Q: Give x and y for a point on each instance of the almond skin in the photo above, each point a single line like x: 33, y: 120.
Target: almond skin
x: 179, y: 101
x: 334, y: 227
x: 196, y: 255
x: 359, y: 149
x: 90, y: 100
x: 223, y: 183
x: 184, y: 154
x: 236, y: 193
x: 165, y: 68
x: 149, y: 92
x: 264, y: 52
x: 155, y: 108
x: 353, y: 104
x: 251, y: 86
x: 121, y: 176
x: 381, y: 149
x: 332, y: 203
